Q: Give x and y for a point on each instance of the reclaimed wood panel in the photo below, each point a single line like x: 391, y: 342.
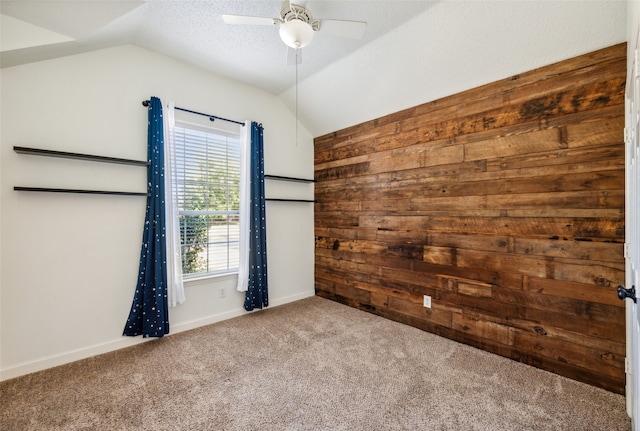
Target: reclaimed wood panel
x: 504, y: 203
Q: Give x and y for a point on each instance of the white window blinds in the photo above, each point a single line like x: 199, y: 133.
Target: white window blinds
x: 208, y: 189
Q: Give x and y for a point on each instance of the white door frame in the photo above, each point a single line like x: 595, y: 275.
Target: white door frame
x: 632, y: 235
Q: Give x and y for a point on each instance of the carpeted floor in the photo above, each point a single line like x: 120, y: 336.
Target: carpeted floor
x: 309, y: 365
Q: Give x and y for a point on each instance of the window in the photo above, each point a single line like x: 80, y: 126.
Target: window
x: 208, y: 193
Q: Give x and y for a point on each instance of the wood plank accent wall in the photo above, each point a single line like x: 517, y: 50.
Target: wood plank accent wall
x: 504, y: 203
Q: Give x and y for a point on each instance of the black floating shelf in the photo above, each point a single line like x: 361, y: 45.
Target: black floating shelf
x: 78, y: 156
x: 279, y: 178
x: 289, y: 200
x: 86, y: 192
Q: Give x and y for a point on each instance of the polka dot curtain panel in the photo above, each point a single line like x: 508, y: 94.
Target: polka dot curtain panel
x: 149, y: 312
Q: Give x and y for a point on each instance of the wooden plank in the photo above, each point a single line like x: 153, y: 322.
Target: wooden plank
x: 439, y: 255
x: 345, y: 233
x: 474, y: 289
x: 535, y: 204
x: 581, y: 356
x: 334, y: 163
x: 538, y: 141
x: 397, y: 248
x: 484, y: 275
x: 397, y: 223
x: 415, y: 308
x: 610, y: 157
x: 482, y: 328
x: 563, y: 227
x: 557, y: 247
x: 392, y: 161
x: 344, y: 171
x: 402, y: 236
x: 408, y: 276
x: 580, y: 213
x: 604, y: 274
x: 580, y: 291
x: 338, y: 220
x: 525, y: 265
x: 562, y: 200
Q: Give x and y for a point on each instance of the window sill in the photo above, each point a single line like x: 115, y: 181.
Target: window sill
x: 207, y: 279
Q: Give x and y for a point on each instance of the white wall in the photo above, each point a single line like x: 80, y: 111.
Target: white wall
x: 69, y: 262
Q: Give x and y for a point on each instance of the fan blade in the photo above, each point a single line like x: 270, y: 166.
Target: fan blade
x: 349, y: 29
x: 294, y: 56
x: 248, y: 20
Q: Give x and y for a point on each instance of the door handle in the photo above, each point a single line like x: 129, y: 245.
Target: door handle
x: 624, y: 293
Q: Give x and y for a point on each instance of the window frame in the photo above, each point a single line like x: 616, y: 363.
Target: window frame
x: 177, y: 183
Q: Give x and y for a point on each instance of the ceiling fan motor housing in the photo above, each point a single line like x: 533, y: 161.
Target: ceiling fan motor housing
x: 297, y: 26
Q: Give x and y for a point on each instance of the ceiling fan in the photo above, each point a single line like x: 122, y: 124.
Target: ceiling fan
x: 297, y: 26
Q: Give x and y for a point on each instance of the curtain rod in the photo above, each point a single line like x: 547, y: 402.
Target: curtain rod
x: 211, y: 117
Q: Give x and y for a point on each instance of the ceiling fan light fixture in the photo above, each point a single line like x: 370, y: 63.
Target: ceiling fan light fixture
x: 296, y: 33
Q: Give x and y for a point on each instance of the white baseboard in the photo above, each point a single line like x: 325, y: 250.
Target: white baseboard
x: 293, y: 298
x: 121, y: 343
x: 185, y: 326
x: 71, y: 356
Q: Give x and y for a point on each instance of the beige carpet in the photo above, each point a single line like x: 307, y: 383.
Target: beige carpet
x: 310, y: 365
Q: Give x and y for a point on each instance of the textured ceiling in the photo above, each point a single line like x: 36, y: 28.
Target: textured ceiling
x: 193, y: 31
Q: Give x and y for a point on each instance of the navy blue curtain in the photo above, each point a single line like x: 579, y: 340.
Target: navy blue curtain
x: 257, y: 292
x: 149, y: 314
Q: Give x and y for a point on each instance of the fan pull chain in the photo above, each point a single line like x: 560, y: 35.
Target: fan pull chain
x: 297, y: 97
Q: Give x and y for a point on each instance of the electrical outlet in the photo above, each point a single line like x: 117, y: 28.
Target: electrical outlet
x: 427, y: 301
x: 223, y: 292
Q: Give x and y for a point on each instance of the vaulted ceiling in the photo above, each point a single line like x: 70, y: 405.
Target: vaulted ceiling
x: 412, y: 51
